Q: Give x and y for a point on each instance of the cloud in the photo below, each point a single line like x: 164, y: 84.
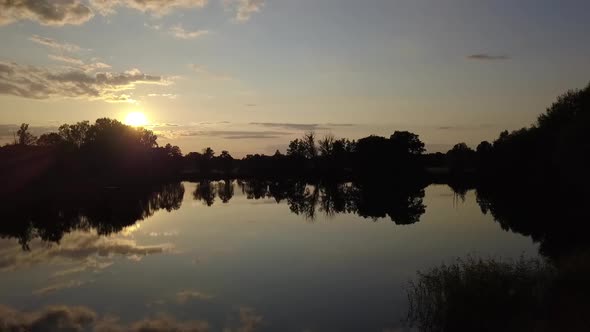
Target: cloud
x: 340, y: 125
x: 42, y: 83
x: 293, y: 126
x: 79, y: 249
x: 236, y: 134
x: 54, y: 318
x: 66, y: 59
x: 163, y: 95
x: 80, y: 64
x: 487, y: 57
x: 89, y: 264
x: 243, y: 9
x: 250, y: 321
x: 59, y: 286
x: 78, y: 319
x: 95, y: 66
x: 252, y: 136
x: 62, y: 47
x: 153, y: 7
x: 45, y: 12
x: 189, y: 295
x: 180, y: 33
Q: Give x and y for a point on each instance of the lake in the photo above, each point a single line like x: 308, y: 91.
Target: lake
x: 236, y: 255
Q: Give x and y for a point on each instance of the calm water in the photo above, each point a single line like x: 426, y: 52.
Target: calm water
x: 239, y: 257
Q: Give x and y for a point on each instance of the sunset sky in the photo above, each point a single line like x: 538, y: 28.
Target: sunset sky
x: 250, y: 75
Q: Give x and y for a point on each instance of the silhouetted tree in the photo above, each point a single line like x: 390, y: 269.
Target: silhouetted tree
x: 76, y: 134
x: 406, y: 143
x: 208, y: 153
x: 297, y: 149
x: 50, y: 139
x: 326, y: 145
x: 24, y: 136
x: 461, y: 158
x: 310, y: 145
x: 172, y: 151
x: 226, y: 162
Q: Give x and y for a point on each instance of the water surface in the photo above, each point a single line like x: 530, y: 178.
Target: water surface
x: 239, y: 256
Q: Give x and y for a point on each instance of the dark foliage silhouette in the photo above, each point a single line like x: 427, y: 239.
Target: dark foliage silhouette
x: 552, y: 150
x: 494, y: 295
x: 402, y: 203
x: 49, y: 213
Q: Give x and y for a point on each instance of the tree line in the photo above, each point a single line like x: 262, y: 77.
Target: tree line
x: 553, y: 148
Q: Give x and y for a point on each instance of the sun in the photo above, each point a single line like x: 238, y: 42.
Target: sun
x: 136, y: 119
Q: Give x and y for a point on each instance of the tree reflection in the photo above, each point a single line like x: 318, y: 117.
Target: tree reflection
x: 205, y: 191
x: 49, y: 214
x: 550, y: 216
x: 225, y: 190
x: 401, y: 202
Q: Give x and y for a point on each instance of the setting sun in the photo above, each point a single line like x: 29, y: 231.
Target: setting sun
x: 136, y: 119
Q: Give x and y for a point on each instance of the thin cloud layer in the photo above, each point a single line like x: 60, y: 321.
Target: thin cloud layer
x: 78, y: 64
x: 487, y: 57
x: 42, y: 83
x: 180, y: 33
x: 190, y: 295
x: 243, y: 9
x: 292, y: 126
x: 235, y: 134
x: 59, y: 286
x: 53, y: 44
x: 153, y: 7
x: 66, y: 59
x: 45, y: 12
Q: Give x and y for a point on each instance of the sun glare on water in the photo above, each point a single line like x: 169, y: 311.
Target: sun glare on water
x: 136, y: 119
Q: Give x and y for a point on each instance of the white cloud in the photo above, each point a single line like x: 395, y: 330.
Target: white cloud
x: 179, y: 32
x: 46, y: 12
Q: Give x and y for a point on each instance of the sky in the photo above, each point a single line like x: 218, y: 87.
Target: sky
x: 250, y: 75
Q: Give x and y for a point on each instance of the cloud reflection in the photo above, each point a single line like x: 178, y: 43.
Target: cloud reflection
x: 87, y: 250
x: 79, y: 318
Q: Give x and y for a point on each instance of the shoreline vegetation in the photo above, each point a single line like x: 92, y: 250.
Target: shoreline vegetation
x: 474, y: 294
x: 110, y: 153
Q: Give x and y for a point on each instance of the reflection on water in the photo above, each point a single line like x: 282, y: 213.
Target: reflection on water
x: 403, y: 204
x: 48, y: 215
x: 235, y: 255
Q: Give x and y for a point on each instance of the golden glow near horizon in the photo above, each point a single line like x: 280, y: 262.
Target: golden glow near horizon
x: 136, y: 119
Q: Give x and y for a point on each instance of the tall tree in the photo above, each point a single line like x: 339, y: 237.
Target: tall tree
x: 24, y: 136
x: 404, y: 142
